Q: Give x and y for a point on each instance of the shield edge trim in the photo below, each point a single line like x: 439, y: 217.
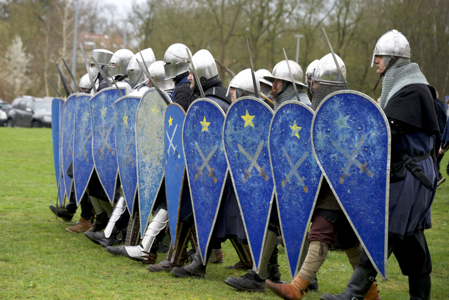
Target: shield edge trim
x: 387, y: 189
x: 142, y: 230
x: 184, y: 173
x: 118, y: 167
x: 70, y: 188
x: 295, y: 102
x: 233, y: 184
x: 95, y: 165
x: 187, y: 172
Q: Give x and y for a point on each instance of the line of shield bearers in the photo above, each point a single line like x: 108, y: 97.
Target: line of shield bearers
x: 329, y: 224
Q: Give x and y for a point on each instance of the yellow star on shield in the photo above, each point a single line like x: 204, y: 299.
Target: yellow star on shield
x: 103, y: 111
x: 125, y: 119
x: 155, y: 110
x: 205, y: 124
x: 170, y: 121
x: 295, y: 129
x: 248, y: 119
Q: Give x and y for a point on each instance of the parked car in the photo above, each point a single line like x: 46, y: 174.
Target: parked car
x: 4, y: 107
x: 27, y: 111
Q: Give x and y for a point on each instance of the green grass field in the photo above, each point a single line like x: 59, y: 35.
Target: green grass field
x: 39, y: 259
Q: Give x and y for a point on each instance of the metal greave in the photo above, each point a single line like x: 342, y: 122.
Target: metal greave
x: 119, y: 209
x: 267, y: 251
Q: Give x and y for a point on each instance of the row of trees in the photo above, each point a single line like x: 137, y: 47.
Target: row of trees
x: 45, y: 27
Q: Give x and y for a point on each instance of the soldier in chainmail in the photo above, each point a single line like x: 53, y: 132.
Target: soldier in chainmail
x: 407, y: 101
x: 283, y: 89
x: 329, y: 224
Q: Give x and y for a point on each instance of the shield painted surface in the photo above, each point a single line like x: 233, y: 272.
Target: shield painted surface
x: 103, y: 142
x: 296, y: 174
x: 61, y: 186
x: 55, y: 135
x: 202, y: 139
x: 246, y: 142
x: 68, y: 135
x: 351, y: 139
x: 83, y: 162
x: 150, y: 151
x: 174, y: 163
x: 125, y: 137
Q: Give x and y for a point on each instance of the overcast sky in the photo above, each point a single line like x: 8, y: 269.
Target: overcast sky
x: 123, y: 6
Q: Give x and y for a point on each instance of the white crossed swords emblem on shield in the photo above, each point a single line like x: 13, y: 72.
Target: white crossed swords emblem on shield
x: 206, y: 162
x: 294, y: 169
x: 352, y: 160
x: 253, y: 161
x: 170, y: 140
x: 105, y: 142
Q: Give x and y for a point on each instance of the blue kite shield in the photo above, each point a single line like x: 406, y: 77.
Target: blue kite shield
x: 61, y: 186
x: 125, y: 138
x: 103, y: 142
x: 246, y: 142
x: 174, y: 163
x: 150, y: 151
x: 68, y: 127
x: 83, y: 162
x: 351, y: 139
x: 55, y: 137
x: 202, y: 139
x: 296, y: 174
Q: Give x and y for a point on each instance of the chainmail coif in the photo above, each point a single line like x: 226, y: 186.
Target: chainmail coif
x: 322, y: 90
x: 401, y: 74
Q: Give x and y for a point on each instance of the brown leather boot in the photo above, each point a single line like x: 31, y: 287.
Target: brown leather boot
x: 373, y: 293
x: 82, y: 226
x: 293, y: 291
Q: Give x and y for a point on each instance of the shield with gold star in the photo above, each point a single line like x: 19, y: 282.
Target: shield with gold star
x: 83, y: 162
x: 296, y: 174
x: 150, y: 151
x: 67, y: 140
x: 246, y: 142
x: 174, y: 163
x: 103, y: 142
x: 206, y: 165
x: 125, y: 138
x: 351, y: 139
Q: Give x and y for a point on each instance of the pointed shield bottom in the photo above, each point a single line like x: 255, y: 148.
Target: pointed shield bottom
x: 206, y: 165
x: 351, y: 139
x: 83, y: 162
x: 103, y: 142
x: 246, y: 142
x: 68, y: 126
x: 296, y: 174
x: 125, y: 121
x: 150, y: 151
x: 174, y: 163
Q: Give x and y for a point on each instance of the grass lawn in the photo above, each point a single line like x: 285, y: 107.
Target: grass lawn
x: 39, y: 259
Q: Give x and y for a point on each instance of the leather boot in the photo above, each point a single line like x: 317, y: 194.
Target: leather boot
x: 167, y: 265
x: 250, y: 282
x: 358, y: 286
x: 61, y: 212
x: 101, y: 220
x: 195, y: 269
x: 293, y: 291
x: 216, y: 257
x: 176, y: 257
x: 245, y: 262
x: 82, y: 226
x: 419, y: 288
x: 373, y: 293
x: 100, y: 239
